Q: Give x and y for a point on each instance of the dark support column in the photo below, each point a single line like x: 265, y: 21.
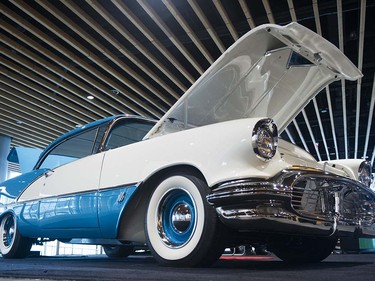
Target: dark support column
x: 4, y: 151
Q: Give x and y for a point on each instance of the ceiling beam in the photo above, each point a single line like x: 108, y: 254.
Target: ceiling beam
x: 61, y: 61
x: 173, y: 38
x: 246, y: 11
x: 269, y: 13
x: 87, y: 54
x: 292, y: 11
x: 369, y: 120
x: 104, y: 51
x: 35, y: 105
x: 156, y: 43
x: 331, y: 118
x: 207, y: 25
x: 307, y: 122
x: 290, y: 135
x: 225, y: 17
x: 361, y: 40
x: 37, y: 119
x: 43, y: 98
x: 317, y: 17
x: 343, y: 90
x: 321, y: 127
x: 188, y: 30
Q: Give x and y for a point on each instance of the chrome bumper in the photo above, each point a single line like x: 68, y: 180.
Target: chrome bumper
x: 297, y: 201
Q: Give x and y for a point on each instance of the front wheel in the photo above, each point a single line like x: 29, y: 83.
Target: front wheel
x: 12, y: 244
x: 298, y: 249
x: 182, y: 229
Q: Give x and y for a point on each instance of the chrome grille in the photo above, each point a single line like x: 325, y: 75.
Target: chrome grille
x: 311, y: 196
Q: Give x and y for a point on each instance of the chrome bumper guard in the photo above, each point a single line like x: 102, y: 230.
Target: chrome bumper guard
x: 297, y: 201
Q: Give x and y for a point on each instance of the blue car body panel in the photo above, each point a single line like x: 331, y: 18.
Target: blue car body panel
x: 76, y: 214
x: 111, y: 204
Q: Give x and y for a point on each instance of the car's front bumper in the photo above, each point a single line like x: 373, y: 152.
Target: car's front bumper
x: 297, y: 201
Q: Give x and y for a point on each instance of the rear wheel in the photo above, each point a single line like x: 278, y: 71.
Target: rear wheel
x: 118, y: 251
x: 12, y: 244
x: 298, y: 249
x: 182, y: 229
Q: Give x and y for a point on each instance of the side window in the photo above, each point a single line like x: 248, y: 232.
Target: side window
x: 74, y: 148
x: 127, y: 132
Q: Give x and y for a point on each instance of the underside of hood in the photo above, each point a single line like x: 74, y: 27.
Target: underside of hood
x: 271, y: 71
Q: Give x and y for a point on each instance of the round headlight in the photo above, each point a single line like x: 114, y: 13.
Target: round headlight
x: 265, y: 139
x: 364, y: 173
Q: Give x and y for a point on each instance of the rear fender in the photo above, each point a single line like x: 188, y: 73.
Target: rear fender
x: 11, y: 189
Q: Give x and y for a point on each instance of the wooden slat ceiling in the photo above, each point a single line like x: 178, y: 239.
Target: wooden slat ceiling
x: 65, y: 63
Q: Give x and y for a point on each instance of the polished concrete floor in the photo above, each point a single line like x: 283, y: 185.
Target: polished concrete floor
x: 337, y: 267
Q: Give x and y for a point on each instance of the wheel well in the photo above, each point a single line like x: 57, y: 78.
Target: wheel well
x: 131, y: 227
x: 6, y: 213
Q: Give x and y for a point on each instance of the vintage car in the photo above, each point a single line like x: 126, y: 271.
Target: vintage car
x: 212, y: 173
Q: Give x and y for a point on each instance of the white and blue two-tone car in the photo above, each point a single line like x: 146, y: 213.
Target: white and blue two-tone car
x: 212, y: 173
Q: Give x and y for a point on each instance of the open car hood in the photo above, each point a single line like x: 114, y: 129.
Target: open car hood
x: 271, y: 71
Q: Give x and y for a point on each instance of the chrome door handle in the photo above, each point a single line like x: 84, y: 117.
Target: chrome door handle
x: 48, y: 173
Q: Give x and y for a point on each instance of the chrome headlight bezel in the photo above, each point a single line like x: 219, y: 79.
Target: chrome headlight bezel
x: 365, y: 173
x: 265, y: 139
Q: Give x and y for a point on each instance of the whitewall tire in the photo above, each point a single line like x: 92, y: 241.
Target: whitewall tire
x: 12, y: 244
x: 181, y: 227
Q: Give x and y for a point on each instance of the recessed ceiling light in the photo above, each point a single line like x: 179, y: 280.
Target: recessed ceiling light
x: 90, y: 97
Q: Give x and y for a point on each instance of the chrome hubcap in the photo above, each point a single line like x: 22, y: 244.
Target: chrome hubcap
x: 181, y: 218
x: 8, y: 231
x: 176, y: 216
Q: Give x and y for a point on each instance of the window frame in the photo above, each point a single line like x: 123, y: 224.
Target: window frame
x: 51, y: 149
x: 100, y: 147
x: 116, y: 122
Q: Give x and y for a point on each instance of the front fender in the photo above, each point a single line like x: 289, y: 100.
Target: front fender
x: 349, y: 166
x: 221, y: 152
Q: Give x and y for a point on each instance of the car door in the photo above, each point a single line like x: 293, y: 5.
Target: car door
x: 68, y: 191
x: 68, y: 197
